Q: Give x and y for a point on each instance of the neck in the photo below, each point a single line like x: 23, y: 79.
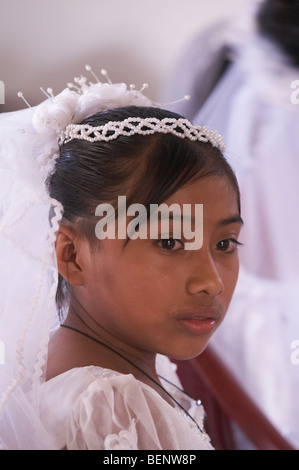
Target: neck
x: 152, y: 382
x: 107, y: 350
x: 122, y: 364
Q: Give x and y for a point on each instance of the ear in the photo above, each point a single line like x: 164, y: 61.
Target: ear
x: 66, y: 246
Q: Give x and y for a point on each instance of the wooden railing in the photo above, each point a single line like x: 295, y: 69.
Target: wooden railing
x: 226, y: 402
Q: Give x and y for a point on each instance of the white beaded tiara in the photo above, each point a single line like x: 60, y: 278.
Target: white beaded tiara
x: 143, y: 126
x: 59, y: 116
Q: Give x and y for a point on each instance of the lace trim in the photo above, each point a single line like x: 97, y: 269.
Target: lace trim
x: 202, y: 434
x: 41, y: 358
x: 125, y: 440
x: 101, y: 373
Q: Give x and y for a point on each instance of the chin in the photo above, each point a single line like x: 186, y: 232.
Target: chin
x: 184, y: 355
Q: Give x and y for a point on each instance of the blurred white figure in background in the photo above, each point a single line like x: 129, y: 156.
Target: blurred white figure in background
x: 241, y: 76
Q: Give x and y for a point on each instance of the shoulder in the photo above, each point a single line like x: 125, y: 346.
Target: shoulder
x: 84, y: 405
x: 92, y: 385
x: 89, y: 380
x: 95, y: 408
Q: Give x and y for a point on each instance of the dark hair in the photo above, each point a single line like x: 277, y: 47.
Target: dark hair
x: 279, y: 21
x: 146, y: 169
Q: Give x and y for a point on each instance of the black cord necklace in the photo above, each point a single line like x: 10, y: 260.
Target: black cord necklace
x: 141, y: 370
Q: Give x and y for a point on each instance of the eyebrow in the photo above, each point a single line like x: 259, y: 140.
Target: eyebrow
x: 237, y: 219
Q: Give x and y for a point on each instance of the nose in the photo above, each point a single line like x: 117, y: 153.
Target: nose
x: 205, y: 277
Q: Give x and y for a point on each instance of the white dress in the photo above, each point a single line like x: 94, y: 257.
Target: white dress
x: 92, y: 408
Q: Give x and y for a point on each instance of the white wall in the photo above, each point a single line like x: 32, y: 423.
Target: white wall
x: 48, y: 42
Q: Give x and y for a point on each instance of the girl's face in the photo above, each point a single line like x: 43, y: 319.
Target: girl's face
x: 153, y: 296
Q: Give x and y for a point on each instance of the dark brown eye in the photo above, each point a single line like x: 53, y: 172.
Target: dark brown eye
x: 170, y: 244
x: 223, y: 245
x: 228, y: 245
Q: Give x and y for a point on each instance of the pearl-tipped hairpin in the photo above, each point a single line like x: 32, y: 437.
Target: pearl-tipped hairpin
x: 48, y: 93
x: 144, y: 87
x: 105, y: 73
x: 20, y: 95
x: 89, y: 69
x: 185, y: 98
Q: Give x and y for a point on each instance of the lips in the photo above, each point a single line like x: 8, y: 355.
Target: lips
x: 199, y: 321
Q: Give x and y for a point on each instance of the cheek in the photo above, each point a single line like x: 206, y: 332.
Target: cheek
x: 123, y: 282
x: 142, y: 284
x: 230, y: 277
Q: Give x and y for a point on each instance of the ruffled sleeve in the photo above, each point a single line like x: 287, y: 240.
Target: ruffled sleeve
x: 102, y: 416
x: 97, y: 409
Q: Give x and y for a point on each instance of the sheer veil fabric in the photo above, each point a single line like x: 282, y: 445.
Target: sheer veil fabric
x: 28, y: 277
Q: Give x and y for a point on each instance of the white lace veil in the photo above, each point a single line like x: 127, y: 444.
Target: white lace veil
x: 28, y: 277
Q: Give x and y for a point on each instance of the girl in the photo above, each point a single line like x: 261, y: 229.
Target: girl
x: 126, y: 304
